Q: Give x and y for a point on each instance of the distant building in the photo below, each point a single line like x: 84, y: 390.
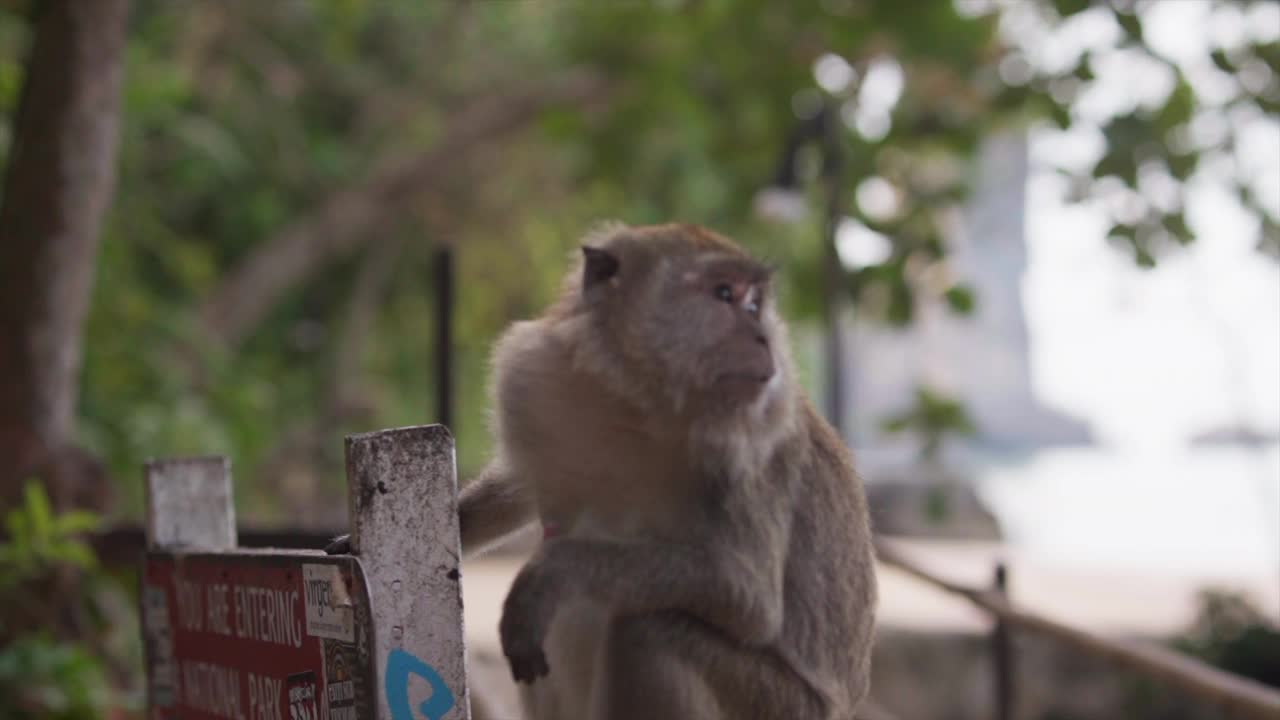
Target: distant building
x: 980, y: 359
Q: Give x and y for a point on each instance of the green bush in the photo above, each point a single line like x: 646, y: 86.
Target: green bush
x: 43, y: 675
x: 38, y: 542
x: 1232, y: 634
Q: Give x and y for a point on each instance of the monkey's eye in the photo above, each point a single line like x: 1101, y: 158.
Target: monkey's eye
x: 724, y: 292
x: 754, y: 301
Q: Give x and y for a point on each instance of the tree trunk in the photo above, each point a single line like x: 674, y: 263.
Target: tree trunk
x: 58, y: 184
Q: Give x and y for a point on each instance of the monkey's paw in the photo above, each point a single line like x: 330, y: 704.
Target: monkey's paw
x: 522, y: 646
x: 523, y: 628
x: 527, y: 664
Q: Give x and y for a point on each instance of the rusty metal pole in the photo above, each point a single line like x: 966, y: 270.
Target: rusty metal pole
x: 1002, y: 652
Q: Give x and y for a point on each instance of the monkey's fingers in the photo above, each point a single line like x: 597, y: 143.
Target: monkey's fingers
x: 525, y: 656
x: 340, y: 545
x: 527, y: 667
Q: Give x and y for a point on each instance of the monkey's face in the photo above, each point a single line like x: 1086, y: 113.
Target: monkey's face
x: 705, y: 327
x: 720, y: 314
x: 687, y: 311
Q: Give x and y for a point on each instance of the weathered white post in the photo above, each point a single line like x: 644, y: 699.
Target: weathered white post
x: 404, y: 531
x: 190, y: 505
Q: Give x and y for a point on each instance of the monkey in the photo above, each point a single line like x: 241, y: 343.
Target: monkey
x: 707, y: 549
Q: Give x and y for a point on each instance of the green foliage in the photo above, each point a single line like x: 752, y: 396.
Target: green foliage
x: 932, y: 418
x: 41, y: 678
x: 242, y: 118
x: 1229, y: 632
x: 37, y: 541
x: 960, y: 299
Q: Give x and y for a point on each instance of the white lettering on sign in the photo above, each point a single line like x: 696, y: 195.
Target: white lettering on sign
x: 218, y: 609
x: 212, y: 689
x: 190, y: 612
x: 264, y: 697
x: 328, y: 603
x: 267, y: 614
x: 342, y: 691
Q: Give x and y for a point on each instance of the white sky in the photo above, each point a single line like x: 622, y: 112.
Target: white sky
x: 1157, y: 354
x: 1152, y: 356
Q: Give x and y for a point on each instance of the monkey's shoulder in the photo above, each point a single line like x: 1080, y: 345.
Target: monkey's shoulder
x: 825, y: 448
x: 523, y: 341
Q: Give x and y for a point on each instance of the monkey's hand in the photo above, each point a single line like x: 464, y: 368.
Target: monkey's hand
x: 526, y: 616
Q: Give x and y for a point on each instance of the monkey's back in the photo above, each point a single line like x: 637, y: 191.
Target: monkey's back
x: 830, y: 584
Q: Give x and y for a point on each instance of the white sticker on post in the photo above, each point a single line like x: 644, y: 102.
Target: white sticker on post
x: 329, y: 608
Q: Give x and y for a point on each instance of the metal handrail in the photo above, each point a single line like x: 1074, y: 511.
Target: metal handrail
x: 1242, y: 696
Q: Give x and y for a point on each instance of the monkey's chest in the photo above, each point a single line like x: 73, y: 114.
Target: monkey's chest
x: 589, y: 457
x: 599, y: 475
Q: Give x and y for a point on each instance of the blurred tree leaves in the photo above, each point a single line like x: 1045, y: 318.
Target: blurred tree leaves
x: 931, y: 419
x: 43, y: 673
x: 38, y: 541
x: 960, y: 299
x: 42, y: 679
x: 242, y: 117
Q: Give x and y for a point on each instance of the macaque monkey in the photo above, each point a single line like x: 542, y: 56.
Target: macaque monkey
x: 707, y: 551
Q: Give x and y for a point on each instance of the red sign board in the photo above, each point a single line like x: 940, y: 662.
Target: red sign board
x: 257, y: 636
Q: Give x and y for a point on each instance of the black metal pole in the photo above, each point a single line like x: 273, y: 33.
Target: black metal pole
x: 832, y: 274
x: 444, y: 335
x: 1002, y: 653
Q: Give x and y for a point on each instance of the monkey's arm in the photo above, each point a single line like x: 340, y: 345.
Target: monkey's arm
x: 493, y: 506
x: 733, y: 582
x: 490, y: 507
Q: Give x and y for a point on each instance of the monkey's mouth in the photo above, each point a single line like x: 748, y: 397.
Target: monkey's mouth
x: 744, y: 380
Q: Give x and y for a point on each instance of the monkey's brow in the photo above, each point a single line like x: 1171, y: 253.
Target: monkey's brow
x: 746, y: 267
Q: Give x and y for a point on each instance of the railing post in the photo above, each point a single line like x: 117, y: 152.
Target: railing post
x: 1002, y: 652
x: 404, y: 529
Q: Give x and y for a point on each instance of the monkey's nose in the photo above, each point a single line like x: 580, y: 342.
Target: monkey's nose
x: 762, y: 340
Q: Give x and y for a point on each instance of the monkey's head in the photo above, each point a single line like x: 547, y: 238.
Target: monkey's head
x: 686, y: 309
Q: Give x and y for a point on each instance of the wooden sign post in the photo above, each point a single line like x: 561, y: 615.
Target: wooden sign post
x: 240, y: 634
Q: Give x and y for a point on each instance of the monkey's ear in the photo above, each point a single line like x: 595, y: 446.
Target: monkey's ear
x: 598, y: 266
